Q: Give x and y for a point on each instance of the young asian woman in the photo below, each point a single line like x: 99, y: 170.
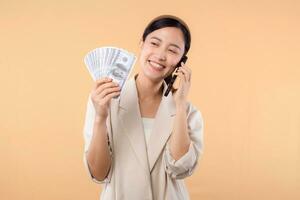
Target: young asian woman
x: 143, y: 144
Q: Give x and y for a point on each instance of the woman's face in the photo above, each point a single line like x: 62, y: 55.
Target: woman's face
x: 160, y: 52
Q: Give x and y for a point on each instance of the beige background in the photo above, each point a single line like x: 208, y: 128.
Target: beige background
x: 246, y: 82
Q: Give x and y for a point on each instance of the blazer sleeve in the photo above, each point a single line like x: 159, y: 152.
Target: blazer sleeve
x: 185, y: 166
x: 88, y: 134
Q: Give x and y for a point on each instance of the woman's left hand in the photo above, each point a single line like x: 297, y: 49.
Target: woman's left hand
x: 184, y: 74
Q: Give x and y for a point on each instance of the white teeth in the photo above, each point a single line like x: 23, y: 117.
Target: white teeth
x: 156, y: 65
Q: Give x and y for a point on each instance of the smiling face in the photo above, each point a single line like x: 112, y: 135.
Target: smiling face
x: 160, y: 52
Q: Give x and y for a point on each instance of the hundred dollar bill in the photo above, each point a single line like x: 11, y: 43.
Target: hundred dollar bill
x: 112, y: 62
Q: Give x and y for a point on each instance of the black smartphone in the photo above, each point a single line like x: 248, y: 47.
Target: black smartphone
x: 170, y: 85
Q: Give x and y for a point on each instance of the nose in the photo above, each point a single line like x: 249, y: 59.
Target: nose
x: 161, y: 54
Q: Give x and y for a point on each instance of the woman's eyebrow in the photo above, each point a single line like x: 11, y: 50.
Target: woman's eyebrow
x: 172, y: 44
x: 153, y: 37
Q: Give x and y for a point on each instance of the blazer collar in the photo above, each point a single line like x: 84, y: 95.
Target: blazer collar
x: 130, y: 116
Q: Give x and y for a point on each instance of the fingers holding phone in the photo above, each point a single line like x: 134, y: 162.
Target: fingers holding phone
x: 184, y: 82
x: 173, y: 79
x: 185, y: 71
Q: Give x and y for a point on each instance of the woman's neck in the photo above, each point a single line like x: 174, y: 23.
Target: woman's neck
x: 148, y: 89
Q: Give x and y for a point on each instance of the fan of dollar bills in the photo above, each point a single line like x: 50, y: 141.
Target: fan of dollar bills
x: 112, y: 62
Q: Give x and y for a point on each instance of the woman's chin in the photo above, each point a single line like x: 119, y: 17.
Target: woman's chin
x: 151, y: 73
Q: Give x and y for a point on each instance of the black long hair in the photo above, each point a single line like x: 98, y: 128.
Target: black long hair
x: 163, y: 21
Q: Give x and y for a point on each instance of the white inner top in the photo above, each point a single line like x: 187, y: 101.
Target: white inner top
x: 148, y: 125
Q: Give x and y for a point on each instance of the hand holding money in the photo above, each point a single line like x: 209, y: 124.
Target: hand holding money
x: 103, y: 90
x: 112, y: 62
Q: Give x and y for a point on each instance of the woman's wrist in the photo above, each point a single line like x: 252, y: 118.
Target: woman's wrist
x: 181, y: 105
x: 100, y: 119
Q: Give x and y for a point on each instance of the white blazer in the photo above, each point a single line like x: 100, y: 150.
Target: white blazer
x: 137, y: 172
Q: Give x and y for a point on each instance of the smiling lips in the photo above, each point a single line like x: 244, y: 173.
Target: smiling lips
x: 156, y: 66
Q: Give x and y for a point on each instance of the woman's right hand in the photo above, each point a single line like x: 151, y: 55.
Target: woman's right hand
x: 103, y: 91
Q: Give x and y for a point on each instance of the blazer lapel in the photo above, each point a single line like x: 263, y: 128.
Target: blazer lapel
x: 130, y: 117
x: 162, y: 128
x: 131, y: 121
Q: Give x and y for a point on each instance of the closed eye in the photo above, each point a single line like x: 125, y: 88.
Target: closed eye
x: 153, y: 43
x: 172, y: 51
